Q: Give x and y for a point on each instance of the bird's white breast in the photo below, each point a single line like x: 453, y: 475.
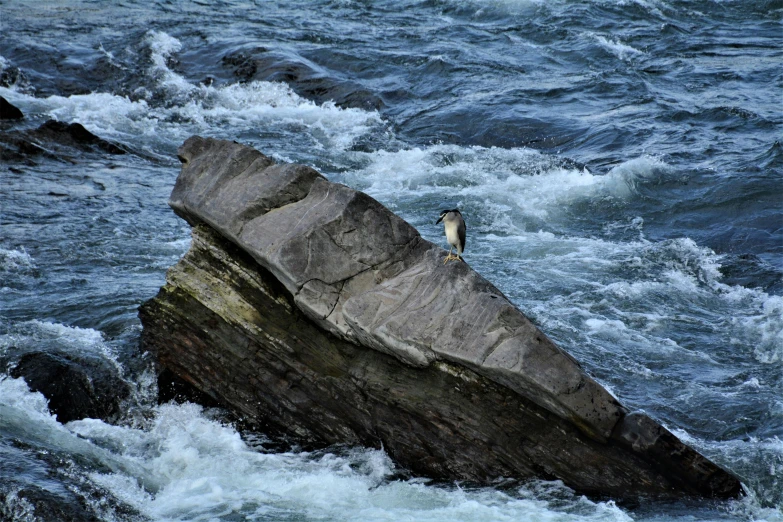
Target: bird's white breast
x: 452, y: 236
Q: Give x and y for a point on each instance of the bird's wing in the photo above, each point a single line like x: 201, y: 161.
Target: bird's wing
x: 461, y: 232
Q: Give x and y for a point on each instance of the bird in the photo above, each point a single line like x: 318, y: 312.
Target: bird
x: 454, y: 226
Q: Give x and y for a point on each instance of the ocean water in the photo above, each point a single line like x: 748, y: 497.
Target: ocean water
x: 618, y: 162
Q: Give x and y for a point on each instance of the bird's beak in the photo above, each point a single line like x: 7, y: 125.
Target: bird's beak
x: 439, y: 220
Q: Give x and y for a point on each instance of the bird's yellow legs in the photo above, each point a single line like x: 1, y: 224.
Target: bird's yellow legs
x: 451, y: 257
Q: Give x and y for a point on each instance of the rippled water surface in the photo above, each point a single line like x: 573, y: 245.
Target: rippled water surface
x: 618, y: 162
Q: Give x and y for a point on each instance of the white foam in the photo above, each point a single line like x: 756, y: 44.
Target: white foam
x: 602, y: 325
x: 752, y: 383
x: 518, y: 179
x: 510, y: 6
x: 162, y: 48
x: 31, y: 334
x: 25, y: 415
x: 15, y: 260
x: 179, y: 245
x: 759, y: 462
x: 634, y: 289
x: 630, y: 297
x: 107, y: 115
x: 196, y: 468
x: 110, y: 57
x: 520, y: 7
x: 620, y: 50
x: 17, y: 508
x: 230, y: 110
x: 15, y: 394
x: 245, y: 105
x: 69, y: 334
x: 185, y: 466
x: 626, y: 176
x: 761, y: 326
x: 652, y: 6
x: 160, y: 118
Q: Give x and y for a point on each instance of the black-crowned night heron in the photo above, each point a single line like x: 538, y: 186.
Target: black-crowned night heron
x: 455, y: 232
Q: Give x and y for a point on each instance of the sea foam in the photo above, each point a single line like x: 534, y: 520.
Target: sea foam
x: 37, y: 335
x: 620, y: 50
x: 172, y: 109
x: 197, y: 468
x: 15, y: 260
x: 517, y: 179
x: 32, y: 333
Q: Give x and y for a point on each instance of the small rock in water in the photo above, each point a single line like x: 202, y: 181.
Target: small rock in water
x: 54, y: 139
x: 76, y: 388
x: 73, y: 135
x: 9, y: 111
x: 46, y: 506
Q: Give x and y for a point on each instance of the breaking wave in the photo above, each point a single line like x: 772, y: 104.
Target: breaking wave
x: 250, y: 109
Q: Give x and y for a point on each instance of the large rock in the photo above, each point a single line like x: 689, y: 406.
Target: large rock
x: 312, y: 309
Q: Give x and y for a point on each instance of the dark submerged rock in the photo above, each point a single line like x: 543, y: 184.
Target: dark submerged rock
x: 306, y: 78
x: 8, y: 111
x: 46, y: 506
x: 39, y: 483
x: 76, y: 387
x: 72, y: 135
x: 12, y: 75
x: 309, y: 308
x: 53, y: 139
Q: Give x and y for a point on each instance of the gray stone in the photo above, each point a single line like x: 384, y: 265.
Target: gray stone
x: 312, y: 309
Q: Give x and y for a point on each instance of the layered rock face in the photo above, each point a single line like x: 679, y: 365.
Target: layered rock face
x: 311, y: 309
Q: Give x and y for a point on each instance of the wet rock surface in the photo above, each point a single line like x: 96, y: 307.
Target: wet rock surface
x: 37, y: 483
x: 55, y: 140
x: 77, y: 387
x: 306, y: 78
x: 45, y: 506
x: 310, y: 308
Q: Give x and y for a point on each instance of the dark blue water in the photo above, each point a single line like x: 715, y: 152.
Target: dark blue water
x: 619, y: 164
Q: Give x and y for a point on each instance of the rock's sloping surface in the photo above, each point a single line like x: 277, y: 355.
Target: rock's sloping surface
x: 295, y: 293
x: 366, y: 275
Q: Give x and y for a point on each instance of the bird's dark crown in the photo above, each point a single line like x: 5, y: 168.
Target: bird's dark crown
x: 444, y: 212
